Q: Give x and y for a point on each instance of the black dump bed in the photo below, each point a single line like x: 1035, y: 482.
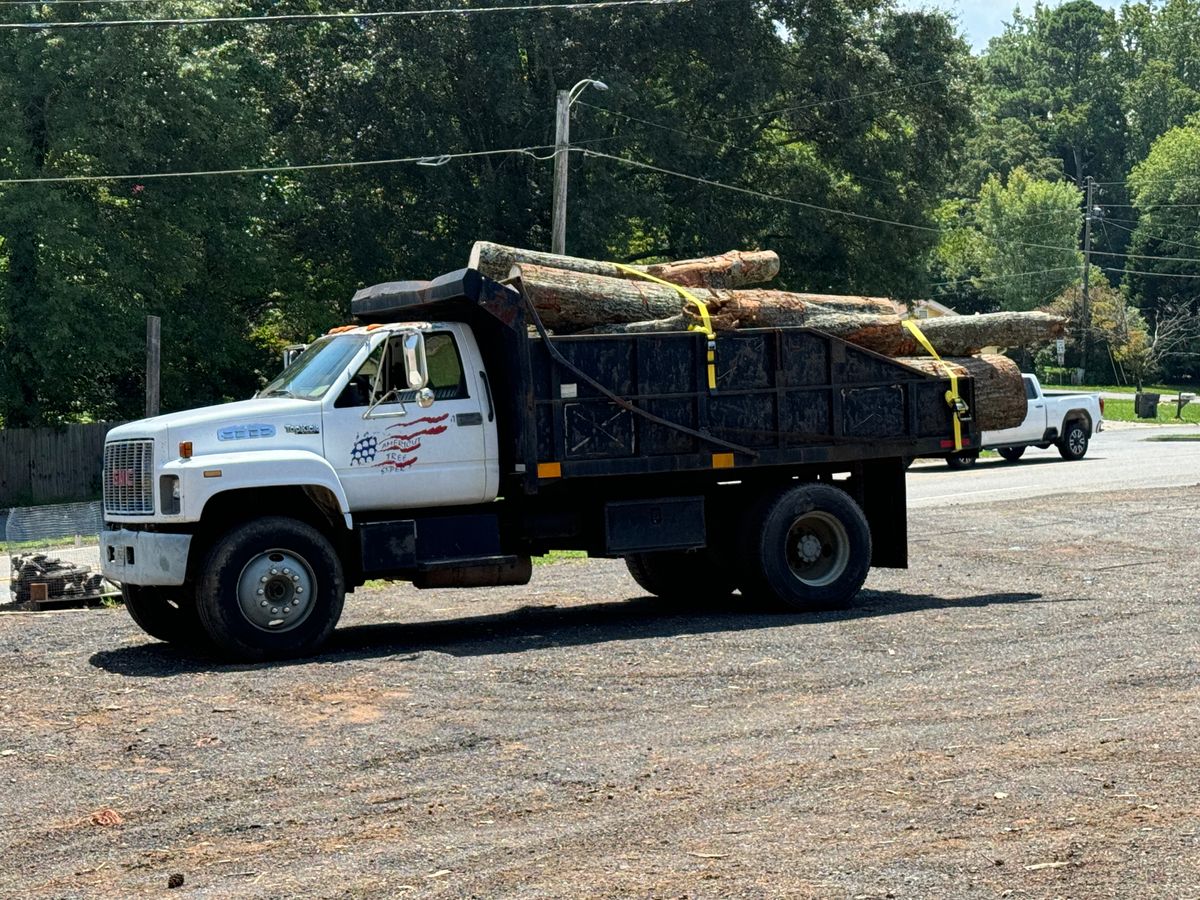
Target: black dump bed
x: 626, y: 404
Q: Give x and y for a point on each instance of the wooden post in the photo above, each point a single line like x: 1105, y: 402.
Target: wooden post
x: 562, y: 143
x: 153, y: 363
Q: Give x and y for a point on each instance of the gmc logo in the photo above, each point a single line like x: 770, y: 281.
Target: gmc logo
x: 122, y: 478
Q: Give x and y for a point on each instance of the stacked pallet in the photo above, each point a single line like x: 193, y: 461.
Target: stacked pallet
x: 574, y: 296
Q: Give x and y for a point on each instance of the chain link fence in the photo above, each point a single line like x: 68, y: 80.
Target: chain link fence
x: 53, y: 554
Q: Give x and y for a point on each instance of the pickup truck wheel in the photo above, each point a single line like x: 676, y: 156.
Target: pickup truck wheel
x: 272, y: 588
x: 808, y: 548
x: 1012, y: 454
x: 963, y: 460
x: 683, y: 577
x: 168, y: 614
x: 1074, y: 443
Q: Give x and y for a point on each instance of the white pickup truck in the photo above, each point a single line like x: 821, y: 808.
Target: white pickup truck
x: 1063, y: 419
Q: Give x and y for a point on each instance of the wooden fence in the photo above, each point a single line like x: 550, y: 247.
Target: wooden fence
x: 51, y: 465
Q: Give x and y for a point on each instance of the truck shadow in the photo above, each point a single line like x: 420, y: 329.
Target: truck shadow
x: 529, y: 628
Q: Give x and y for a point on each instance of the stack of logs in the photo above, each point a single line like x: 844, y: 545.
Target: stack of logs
x: 574, y: 296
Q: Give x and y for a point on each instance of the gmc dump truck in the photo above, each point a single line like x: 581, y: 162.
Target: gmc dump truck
x: 446, y: 438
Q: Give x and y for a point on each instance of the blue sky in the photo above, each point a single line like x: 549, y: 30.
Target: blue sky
x: 984, y: 19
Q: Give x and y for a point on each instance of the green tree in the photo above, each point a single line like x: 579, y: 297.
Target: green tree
x: 1015, y: 246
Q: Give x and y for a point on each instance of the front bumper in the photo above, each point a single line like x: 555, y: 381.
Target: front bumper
x: 144, y: 557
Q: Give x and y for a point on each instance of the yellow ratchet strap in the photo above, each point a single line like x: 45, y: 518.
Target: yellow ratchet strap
x: 701, y: 306
x: 957, y: 404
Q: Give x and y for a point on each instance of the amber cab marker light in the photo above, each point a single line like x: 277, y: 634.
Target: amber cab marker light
x: 185, y: 449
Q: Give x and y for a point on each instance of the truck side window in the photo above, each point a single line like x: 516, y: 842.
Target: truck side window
x: 358, y: 389
x: 1030, y: 390
x: 446, y: 377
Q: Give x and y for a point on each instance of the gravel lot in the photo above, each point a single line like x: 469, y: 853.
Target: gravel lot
x: 1014, y: 716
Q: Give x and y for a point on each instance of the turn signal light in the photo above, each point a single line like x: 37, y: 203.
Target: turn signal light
x: 185, y: 449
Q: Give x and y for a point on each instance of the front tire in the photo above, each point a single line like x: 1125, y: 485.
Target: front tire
x: 1074, y: 443
x: 807, y: 547
x: 272, y: 588
x: 1012, y: 454
x: 168, y: 614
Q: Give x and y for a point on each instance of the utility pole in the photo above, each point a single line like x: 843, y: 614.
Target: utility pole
x: 153, y: 361
x: 1086, y: 323
x: 562, y: 152
x: 562, y: 144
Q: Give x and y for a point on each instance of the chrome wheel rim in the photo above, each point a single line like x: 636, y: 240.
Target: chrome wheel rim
x: 1077, y: 440
x: 818, y: 549
x: 275, y: 591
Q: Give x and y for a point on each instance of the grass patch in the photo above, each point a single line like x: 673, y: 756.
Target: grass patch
x: 557, y: 556
x: 1122, y: 411
x: 45, y: 544
x: 1123, y: 388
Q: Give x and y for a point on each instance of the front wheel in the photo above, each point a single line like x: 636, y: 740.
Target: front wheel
x: 808, y: 547
x: 271, y: 588
x: 1074, y: 443
x: 1012, y: 454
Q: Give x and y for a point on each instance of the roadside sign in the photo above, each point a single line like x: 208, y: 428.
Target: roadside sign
x: 1061, y: 346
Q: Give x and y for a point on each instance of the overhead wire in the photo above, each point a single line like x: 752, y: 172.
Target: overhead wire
x: 429, y: 159
x: 294, y: 18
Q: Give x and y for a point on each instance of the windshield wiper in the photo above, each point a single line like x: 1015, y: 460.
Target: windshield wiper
x: 278, y: 392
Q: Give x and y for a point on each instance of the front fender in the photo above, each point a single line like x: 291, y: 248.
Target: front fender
x: 203, y: 477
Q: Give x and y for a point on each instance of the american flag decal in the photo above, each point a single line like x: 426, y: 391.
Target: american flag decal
x: 395, y: 450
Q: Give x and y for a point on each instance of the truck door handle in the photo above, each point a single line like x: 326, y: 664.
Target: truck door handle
x: 487, y: 392
x: 1037, y: 406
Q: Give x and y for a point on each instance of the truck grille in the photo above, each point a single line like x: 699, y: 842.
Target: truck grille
x: 129, y: 478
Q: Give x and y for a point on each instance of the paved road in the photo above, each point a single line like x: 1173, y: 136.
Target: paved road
x: 1118, y: 459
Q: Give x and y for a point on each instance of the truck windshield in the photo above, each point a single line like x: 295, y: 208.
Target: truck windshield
x: 315, y: 370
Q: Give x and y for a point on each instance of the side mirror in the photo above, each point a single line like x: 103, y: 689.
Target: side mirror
x: 415, y: 370
x: 290, y: 353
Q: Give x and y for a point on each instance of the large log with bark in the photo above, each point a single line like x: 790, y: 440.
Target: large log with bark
x: 728, y: 270
x: 999, y: 391
x: 575, y: 301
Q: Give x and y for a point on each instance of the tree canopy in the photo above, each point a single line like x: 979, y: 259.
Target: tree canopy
x: 864, y: 143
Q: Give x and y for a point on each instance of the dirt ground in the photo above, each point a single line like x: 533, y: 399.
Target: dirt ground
x: 1016, y: 715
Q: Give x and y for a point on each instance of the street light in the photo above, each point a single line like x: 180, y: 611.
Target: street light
x: 562, y: 145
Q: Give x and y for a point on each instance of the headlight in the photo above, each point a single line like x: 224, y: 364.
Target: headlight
x: 168, y: 492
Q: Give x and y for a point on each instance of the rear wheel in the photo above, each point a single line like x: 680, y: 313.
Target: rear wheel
x: 684, y: 577
x: 963, y: 460
x: 807, y: 547
x: 1012, y: 454
x: 166, y: 613
x: 272, y: 588
x: 1074, y: 443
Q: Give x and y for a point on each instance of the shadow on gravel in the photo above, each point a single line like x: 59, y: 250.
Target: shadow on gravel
x: 539, y: 627
x: 987, y: 464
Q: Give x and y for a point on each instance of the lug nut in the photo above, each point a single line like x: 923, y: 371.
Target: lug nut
x: 274, y: 571
x: 299, y: 590
x: 274, y: 610
x: 263, y: 580
x: 286, y: 610
x: 260, y: 592
x: 263, y: 603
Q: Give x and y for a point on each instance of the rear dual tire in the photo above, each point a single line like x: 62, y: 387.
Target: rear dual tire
x: 806, y: 548
x: 683, y: 577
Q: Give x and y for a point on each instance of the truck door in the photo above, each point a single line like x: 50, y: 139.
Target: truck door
x: 1034, y: 425
x: 397, y: 455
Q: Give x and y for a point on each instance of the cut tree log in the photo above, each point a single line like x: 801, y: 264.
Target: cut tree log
x: 729, y: 270
x: 999, y: 390
x: 576, y: 301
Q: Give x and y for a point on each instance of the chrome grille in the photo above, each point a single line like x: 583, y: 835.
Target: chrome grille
x: 129, y: 478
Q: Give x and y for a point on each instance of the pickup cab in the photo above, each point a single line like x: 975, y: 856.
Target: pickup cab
x: 1063, y: 419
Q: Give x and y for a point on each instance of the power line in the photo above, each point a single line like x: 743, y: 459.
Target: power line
x: 971, y: 278
x: 1155, y: 237
x: 427, y: 160
x: 813, y: 206
x: 1150, y: 274
x: 294, y: 18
